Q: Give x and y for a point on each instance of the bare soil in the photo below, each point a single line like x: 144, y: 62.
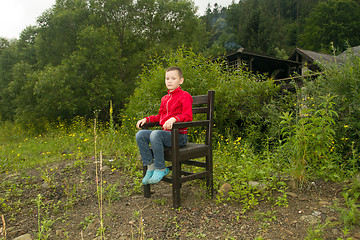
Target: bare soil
x: 69, y: 209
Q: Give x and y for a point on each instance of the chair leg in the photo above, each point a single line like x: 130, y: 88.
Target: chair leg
x: 210, y: 186
x: 209, y: 178
x: 176, y: 184
x: 147, y: 186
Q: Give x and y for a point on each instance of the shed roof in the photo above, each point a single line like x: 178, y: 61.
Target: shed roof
x: 312, y: 56
x: 354, y: 51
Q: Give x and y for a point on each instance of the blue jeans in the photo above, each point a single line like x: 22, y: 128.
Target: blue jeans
x: 158, y: 139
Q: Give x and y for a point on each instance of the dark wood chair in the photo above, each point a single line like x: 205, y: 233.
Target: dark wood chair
x: 178, y: 156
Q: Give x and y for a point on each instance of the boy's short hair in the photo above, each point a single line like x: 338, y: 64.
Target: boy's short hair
x: 175, y: 69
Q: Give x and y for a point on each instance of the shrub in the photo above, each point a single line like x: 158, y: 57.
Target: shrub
x: 343, y: 80
x: 241, y: 97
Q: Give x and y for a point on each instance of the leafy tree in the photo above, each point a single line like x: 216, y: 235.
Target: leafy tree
x: 260, y: 25
x: 84, y: 53
x: 8, y: 58
x: 26, y: 48
x: 92, y: 51
x: 21, y: 91
x: 58, y: 28
x: 333, y: 21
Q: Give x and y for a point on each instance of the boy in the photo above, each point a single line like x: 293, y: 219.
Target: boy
x: 176, y: 106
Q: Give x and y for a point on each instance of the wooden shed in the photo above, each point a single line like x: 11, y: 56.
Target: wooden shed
x: 271, y: 66
x: 310, y: 60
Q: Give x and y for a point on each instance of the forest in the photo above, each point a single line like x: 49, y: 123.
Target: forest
x: 83, y: 53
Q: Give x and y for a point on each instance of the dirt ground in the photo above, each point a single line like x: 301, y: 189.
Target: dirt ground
x: 68, y: 208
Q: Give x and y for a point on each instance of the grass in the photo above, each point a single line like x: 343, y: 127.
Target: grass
x: 21, y: 151
x: 234, y: 162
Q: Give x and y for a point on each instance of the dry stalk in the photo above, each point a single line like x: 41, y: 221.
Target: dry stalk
x: 141, y: 225
x: 95, y: 154
x: 101, y: 199
x: 99, y: 182
x: 4, y: 226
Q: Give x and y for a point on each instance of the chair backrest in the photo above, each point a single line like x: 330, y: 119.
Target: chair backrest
x: 205, y: 104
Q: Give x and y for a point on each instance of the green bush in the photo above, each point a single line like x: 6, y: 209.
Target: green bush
x: 241, y: 97
x: 342, y: 79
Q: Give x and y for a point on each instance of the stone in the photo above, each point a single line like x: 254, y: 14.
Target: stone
x: 316, y: 213
x: 293, y: 184
x: 310, y: 219
x: 291, y: 194
x: 225, y: 189
x: 24, y: 237
x: 59, y: 233
x: 324, y: 203
x: 92, y: 227
x: 331, y: 219
x: 45, y: 185
x: 324, y: 210
x: 357, y: 177
x: 357, y: 235
x: 255, y: 184
x: 311, y: 186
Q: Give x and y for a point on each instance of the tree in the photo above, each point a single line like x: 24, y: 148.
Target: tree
x: 333, y: 21
x: 58, y: 29
x: 84, y: 53
x: 8, y: 58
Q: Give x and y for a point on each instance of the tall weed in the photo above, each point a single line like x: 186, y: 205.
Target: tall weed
x: 342, y: 78
x: 309, y: 137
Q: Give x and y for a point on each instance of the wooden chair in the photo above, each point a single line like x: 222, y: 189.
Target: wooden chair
x: 202, y: 104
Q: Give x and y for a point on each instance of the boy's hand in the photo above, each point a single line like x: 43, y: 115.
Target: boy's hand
x: 169, y: 123
x: 140, y: 123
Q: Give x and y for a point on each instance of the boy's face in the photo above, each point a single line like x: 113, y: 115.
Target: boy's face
x: 173, y: 80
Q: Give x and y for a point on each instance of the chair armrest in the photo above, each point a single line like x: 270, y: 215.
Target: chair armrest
x: 149, y: 125
x: 178, y: 125
x: 190, y: 124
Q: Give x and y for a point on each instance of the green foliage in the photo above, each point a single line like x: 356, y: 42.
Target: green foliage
x: 82, y: 54
x: 309, y: 136
x: 334, y: 21
x: 349, y: 210
x: 199, y: 73
x: 87, y: 220
x: 241, y: 105
x: 316, y: 232
x: 22, y: 148
x: 47, y: 77
x: 237, y: 164
x: 44, y: 222
x: 111, y: 193
x: 260, y: 25
x: 342, y: 80
x: 241, y: 97
x: 349, y: 213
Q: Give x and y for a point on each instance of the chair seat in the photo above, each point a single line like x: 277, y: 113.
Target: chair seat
x: 189, y: 151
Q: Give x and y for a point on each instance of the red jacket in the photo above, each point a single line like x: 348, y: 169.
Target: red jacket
x: 177, y: 104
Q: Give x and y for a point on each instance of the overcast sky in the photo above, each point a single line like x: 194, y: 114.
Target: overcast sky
x: 16, y: 15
